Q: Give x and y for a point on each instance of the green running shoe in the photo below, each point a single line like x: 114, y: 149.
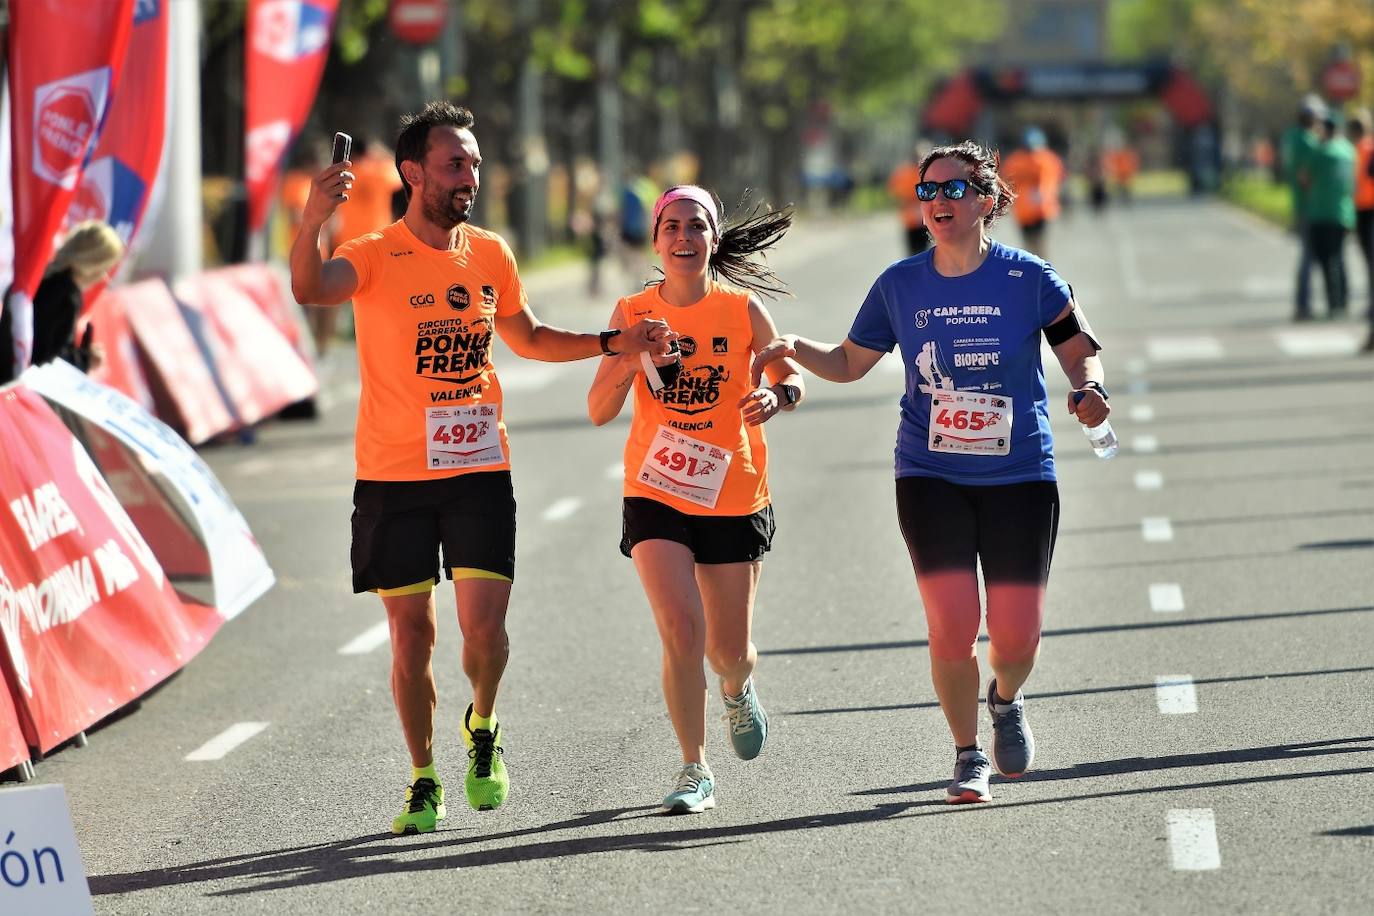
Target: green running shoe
x: 745, y: 721
x: 486, y: 784
x: 423, y: 810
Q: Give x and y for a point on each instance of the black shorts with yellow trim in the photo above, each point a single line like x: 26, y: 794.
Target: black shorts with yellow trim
x: 403, y: 529
x: 711, y: 538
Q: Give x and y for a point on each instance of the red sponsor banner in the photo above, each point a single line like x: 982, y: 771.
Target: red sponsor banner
x: 88, y: 617
x: 117, y: 183
x: 185, y: 392
x: 13, y: 748
x: 120, y: 365
x: 64, y: 61
x: 288, y: 41
x: 258, y: 370
x: 261, y: 283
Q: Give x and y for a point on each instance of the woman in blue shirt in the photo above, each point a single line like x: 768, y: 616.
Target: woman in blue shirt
x: 974, y: 457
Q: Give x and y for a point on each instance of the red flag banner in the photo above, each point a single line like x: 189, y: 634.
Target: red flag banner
x: 13, y: 749
x: 288, y: 41
x: 64, y: 62
x: 118, y: 181
x: 88, y: 616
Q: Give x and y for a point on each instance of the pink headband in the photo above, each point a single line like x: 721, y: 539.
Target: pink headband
x: 688, y: 192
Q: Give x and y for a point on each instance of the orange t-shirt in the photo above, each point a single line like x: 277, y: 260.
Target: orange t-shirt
x: 368, y: 207
x: 901, y: 186
x: 716, y: 338
x: 1364, y: 184
x: 430, y: 405
x: 1035, y: 176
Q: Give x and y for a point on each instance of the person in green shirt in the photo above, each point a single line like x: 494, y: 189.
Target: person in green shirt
x: 1296, y: 146
x: 1330, y: 173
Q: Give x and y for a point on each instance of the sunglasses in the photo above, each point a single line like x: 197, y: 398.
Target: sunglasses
x: 953, y: 189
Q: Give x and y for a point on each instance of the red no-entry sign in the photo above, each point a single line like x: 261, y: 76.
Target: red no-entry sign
x: 417, y: 21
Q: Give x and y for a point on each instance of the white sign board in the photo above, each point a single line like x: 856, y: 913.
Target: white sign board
x: 41, y: 871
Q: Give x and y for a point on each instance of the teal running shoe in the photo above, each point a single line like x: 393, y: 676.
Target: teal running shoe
x: 694, y: 793
x: 424, y: 808
x: 745, y: 722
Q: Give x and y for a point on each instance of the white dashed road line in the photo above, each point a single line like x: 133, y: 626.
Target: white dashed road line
x: 368, y: 640
x: 226, y: 741
x: 1138, y: 386
x: 1145, y: 445
x: 1193, y: 839
x: 615, y: 471
x: 563, y: 508
x: 1183, y: 349
x: 1156, y: 529
x: 1166, y: 597
x: 526, y: 377
x: 1175, y: 694
x: 1323, y: 342
x: 1148, y: 480
x: 1142, y: 413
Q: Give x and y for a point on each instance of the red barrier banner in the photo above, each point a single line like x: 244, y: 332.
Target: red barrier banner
x: 88, y: 616
x: 120, y: 365
x: 185, y: 391
x: 288, y: 41
x: 188, y: 519
x: 263, y: 284
x: 256, y: 366
x: 13, y: 749
x: 118, y: 182
x: 64, y: 61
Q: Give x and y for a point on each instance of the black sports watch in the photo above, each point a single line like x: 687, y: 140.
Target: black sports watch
x: 606, y: 342
x: 790, y: 394
x: 1101, y: 389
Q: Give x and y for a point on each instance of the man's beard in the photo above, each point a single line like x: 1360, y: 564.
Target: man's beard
x: 442, y: 210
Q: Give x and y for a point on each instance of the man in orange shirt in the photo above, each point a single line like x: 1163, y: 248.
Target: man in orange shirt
x: 1361, y: 136
x: 1034, y: 172
x: 901, y: 187
x: 431, y: 445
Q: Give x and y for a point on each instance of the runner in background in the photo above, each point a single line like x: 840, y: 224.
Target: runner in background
x: 974, y: 461
x: 1034, y: 173
x: 901, y: 187
x: 295, y: 191
x: 432, y: 452
x: 1360, y: 131
x: 697, y: 514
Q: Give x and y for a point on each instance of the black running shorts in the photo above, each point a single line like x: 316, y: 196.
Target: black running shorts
x: 400, y: 526
x: 711, y: 538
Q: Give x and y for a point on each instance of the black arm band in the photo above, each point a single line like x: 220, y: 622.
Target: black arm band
x: 1066, y: 328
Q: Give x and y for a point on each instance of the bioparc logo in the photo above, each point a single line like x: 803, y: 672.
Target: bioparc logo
x: 66, y: 118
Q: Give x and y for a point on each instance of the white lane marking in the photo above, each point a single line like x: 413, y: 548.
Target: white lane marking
x: 1130, y: 266
x: 1193, y: 839
x: 1155, y: 529
x: 254, y: 466
x: 1148, y: 480
x: 1166, y: 597
x: 1175, y: 694
x: 226, y: 741
x: 1181, y: 349
x: 367, y: 640
x: 526, y: 377
x: 1323, y: 342
x: 1145, y: 445
x: 1263, y: 287
x: 1137, y: 365
x: 1142, y: 413
x: 615, y: 471
x: 1138, y: 386
x: 561, y: 509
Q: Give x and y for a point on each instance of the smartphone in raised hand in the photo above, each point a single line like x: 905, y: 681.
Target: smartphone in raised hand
x: 343, y: 145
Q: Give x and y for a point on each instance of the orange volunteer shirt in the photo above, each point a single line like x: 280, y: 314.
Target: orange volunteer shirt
x: 430, y: 405
x: 689, y: 447
x: 1364, y: 184
x: 368, y: 207
x: 901, y: 186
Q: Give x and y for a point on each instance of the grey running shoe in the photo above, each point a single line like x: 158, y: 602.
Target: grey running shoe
x: 971, y: 772
x: 1013, y: 745
x: 694, y: 793
x: 745, y: 722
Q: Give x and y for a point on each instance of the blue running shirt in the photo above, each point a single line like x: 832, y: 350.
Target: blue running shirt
x: 979, y: 333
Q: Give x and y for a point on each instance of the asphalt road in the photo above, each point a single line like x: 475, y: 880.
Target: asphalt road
x: 1202, y: 706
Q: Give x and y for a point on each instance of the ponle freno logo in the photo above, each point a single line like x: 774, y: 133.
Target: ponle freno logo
x: 66, y: 113
x: 458, y: 298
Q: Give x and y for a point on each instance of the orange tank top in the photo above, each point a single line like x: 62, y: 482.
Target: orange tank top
x: 688, y: 446
x: 430, y: 404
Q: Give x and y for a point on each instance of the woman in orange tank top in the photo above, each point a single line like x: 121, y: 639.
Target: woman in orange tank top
x: 697, y: 516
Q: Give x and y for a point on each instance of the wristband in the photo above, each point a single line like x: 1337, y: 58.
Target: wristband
x: 1100, y: 389
x: 606, y: 342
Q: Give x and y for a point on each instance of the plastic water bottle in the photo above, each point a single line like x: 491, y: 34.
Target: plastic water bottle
x: 1101, y: 436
